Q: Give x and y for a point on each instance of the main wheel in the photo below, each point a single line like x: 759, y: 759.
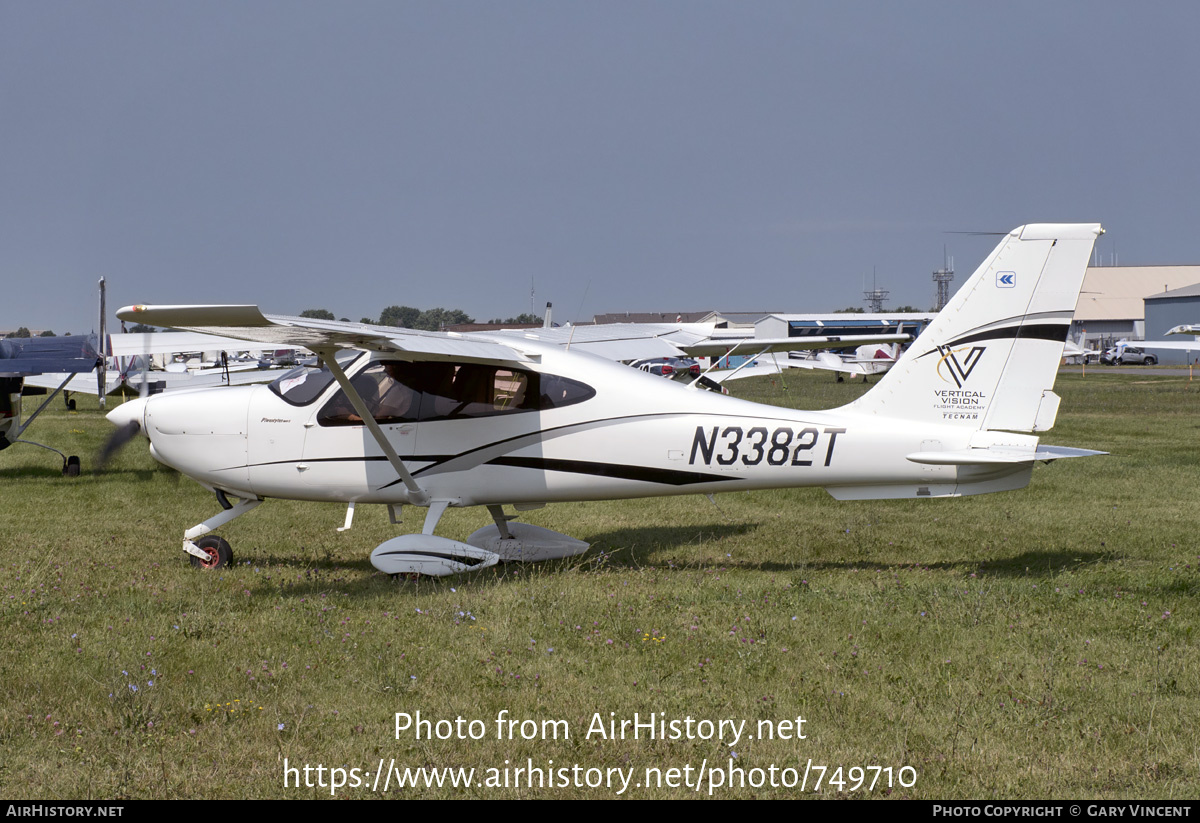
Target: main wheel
x: 72, y: 467
x: 218, y: 550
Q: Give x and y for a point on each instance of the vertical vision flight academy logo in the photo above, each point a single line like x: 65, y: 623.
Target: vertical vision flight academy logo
x: 959, y: 368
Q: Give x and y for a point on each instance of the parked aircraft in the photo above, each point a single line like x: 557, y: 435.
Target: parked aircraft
x: 60, y: 360
x: 1186, y: 345
x: 129, y: 356
x: 1077, y: 350
x: 79, y: 364
x: 21, y: 358
x: 399, y: 417
x: 872, y: 358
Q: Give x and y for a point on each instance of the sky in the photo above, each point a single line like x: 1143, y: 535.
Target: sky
x: 658, y: 155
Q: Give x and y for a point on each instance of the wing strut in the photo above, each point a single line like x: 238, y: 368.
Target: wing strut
x: 418, y: 495
x: 728, y: 352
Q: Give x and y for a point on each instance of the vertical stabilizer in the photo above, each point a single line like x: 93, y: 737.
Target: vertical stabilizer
x: 989, y: 359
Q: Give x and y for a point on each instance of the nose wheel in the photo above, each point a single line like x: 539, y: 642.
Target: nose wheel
x: 207, y: 551
x: 217, y: 552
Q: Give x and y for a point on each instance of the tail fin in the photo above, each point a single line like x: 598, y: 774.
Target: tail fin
x: 989, y: 359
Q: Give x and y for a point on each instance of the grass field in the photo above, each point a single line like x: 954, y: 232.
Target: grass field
x: 1031, y: 644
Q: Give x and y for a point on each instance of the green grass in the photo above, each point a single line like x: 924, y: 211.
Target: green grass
x: 1032, y: 644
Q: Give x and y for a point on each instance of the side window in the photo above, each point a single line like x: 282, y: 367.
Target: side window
x: 387, y: 390
x: 396, y: 391
x: 557, y: 392
x: 474, y: 390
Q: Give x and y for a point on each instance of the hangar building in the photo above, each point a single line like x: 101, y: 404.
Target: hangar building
x: 1172, y: 308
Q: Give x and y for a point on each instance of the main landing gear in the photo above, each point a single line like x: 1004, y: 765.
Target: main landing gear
x: 505, y: 541
x: 70, y: 466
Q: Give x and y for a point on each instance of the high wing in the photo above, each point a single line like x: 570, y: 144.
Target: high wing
x: 1173, y: 345
x: 617, y: 341
x: 40, y: 355
x: 248, y: 323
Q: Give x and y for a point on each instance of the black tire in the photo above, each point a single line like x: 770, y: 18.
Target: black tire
x: 219, y: 553
x: 1151, y: 361
x: 71, y: 404
x: 72, y: 467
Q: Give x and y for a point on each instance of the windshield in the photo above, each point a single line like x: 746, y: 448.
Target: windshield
x: 304, y: 384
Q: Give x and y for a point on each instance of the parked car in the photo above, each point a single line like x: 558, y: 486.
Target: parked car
x: 1132, y: 355
x: 1128, y: 356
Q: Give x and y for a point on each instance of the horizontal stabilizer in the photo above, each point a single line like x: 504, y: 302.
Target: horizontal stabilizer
x: 999, y: 454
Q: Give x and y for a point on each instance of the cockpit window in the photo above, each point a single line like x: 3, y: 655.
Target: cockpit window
x: 397, y: 391
x: 386, y: 390
x: 302, y: 385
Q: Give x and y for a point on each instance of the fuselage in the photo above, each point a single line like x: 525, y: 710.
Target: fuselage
x: 598, y: 430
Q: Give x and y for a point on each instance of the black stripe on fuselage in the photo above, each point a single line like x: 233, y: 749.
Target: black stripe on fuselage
x: 646, y: 474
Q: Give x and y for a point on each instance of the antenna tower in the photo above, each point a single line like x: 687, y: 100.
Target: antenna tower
x: 943, y: 277
x: 875, y: 296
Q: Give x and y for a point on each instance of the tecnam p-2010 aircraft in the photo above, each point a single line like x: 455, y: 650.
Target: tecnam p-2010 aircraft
x: 434, y: 420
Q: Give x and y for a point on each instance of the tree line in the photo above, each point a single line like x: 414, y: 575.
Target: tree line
x: 407, y: 317
x: 24, y: 332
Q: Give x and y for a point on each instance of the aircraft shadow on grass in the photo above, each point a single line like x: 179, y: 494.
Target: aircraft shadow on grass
x: 1034, y: 564
x: 635, y: 547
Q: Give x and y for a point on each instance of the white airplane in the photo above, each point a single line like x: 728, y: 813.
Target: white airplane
x: 399, y: 417
x: 1187, y: 345
x: 1076, y: 350
x: 868, y: 359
